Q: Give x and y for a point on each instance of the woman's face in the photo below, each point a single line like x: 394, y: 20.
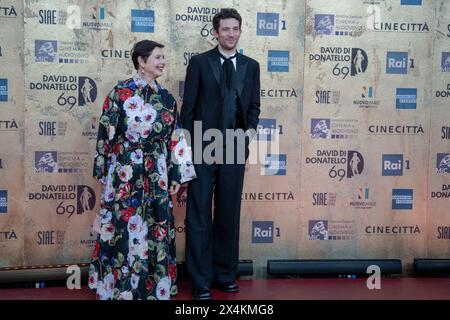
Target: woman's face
x: 155, y: 63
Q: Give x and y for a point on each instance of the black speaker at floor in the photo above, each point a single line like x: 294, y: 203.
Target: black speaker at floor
x: 245, y: 268
x: 432, y: 267
x: 332, y: 267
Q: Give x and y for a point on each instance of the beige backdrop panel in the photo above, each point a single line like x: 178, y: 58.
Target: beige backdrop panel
x: 355, y: 106
x: 438, y: 218
x: 61, y: 65
x: 270, y: 209
x: 11, y: 133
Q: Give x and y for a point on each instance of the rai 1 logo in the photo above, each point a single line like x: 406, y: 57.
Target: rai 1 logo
x: 267, y: 24
x: 398, y: 62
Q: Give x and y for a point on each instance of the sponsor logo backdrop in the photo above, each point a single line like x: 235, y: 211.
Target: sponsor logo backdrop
x: 356, y: 94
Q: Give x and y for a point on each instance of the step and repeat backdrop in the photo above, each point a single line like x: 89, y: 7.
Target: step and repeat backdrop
x: 354, y: 93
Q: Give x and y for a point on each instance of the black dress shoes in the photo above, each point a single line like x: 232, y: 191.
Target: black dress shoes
x: 227, y: 286
x: 201, y: 294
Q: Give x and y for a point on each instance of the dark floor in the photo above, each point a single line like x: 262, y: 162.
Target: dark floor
x: 279, y: 289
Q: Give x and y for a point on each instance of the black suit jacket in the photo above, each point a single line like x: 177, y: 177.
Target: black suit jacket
x: 202, y: 99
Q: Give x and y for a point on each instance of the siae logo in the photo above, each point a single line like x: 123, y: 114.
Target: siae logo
x: 445, y: 132
x: 52, y: 128
x: 327, y: 97
x: 50, y: 237
x: 47, y: 17
x: 443, y: 232
x: 323, y: 199
x: 187, y: 57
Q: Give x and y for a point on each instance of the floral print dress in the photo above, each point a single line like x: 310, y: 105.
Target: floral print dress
x: 139, y: 155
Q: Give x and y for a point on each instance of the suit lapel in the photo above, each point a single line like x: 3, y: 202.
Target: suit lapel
x: 241, y: 68
x: 214, y: 63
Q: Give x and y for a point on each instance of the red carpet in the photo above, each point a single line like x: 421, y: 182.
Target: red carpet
x: 280, y: 289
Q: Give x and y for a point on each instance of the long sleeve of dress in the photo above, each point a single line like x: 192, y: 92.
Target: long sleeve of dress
x: 106, y: 136
x: 181, y: 169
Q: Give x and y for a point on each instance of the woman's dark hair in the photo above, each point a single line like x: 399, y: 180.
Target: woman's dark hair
x: 226, y: 13
x: 143, y: 49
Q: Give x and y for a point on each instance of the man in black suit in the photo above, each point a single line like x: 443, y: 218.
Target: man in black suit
x: 222, y: 92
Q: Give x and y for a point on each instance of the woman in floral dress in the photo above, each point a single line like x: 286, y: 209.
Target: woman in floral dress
x: 141, y: 160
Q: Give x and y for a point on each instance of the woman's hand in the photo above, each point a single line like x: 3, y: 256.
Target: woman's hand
x: 174, y: 189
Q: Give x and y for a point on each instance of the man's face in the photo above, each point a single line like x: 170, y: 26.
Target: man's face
x: 228, y: 33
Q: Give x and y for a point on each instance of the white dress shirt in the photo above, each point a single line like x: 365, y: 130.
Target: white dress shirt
x: 227, y: 55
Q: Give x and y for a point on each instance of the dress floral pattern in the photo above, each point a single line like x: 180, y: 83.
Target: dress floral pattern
x: 140, y: 153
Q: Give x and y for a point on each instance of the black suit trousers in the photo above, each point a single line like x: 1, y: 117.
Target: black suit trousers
x: 212, y: 242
